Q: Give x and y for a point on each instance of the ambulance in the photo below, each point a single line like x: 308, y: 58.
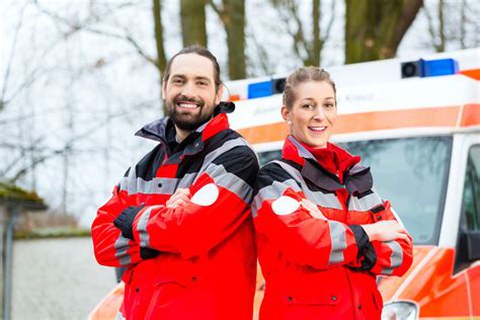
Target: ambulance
x: 416, y: 123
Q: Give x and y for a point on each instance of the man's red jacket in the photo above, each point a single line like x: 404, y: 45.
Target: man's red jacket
x: 196, y: 261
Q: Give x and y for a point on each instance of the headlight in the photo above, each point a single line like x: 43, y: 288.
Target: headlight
x: 399, y: 311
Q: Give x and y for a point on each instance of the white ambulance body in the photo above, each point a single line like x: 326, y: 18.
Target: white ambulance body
x: 417, y: 125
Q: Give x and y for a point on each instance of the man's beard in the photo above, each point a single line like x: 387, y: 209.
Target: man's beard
x: 186, y: 120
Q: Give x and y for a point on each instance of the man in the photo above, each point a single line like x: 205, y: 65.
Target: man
x: 180, y: 221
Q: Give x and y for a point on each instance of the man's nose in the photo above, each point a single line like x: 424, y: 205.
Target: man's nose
x: 188, y: 89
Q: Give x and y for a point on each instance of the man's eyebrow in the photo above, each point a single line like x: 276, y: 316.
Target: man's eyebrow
x: 202, y: 78
x: 181, y: 76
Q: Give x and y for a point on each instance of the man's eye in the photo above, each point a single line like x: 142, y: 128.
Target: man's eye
x: 177, y: 81
x: 202, y: 83
x: 329, y: 105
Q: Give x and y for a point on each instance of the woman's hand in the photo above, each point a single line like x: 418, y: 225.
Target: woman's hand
x: 180, y: 197
x: 312, y: 207
x: 385, y: 231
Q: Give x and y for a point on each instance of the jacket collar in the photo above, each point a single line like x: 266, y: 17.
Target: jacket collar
x: 157, y: 130
x: 357, y: 177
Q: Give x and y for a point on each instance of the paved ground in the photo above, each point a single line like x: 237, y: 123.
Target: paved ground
x: 57, y: 279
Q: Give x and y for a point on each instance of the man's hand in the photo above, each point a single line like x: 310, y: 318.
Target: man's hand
x: 385, y: 231
x: 180, y: 197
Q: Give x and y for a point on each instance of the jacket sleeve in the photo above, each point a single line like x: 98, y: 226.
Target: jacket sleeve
x: 392, y: 257
x: 220, y: 203
x: 111, y: 248
x: 280, y: 216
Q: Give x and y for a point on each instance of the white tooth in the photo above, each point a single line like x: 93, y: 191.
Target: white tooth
x: 188, y: 105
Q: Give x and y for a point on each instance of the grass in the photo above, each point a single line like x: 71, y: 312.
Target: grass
x: 50, y: 233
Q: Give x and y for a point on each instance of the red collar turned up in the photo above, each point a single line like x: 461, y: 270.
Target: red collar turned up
x: 332, y: 158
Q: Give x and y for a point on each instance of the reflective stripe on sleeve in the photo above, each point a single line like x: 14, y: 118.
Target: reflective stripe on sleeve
x: 338, y: 239
x: 273, y: 191
x: 396, y: 257
x: 230, y: 181
x: 121, y: 248
x: 227, y: 146
x: 142, y: 227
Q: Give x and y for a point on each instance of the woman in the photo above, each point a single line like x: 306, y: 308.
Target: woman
x: 323, y: 233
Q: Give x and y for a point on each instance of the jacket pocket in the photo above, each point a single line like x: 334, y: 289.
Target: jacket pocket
x: 311, y: 287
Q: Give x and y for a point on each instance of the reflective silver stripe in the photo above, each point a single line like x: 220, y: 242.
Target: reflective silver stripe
x: 302, y: 151
x: 133, y: 184
x: 129, y: 183
x: 230, y: 181
x: 121, y: 248
x: 157, y: 186
x: 326, y: 200
x: 142, y: 227
x: 396, y: 258
x: 227, y: 146
x: 338, y: 239
x: 187, y: 180
x: 273, y: 191
x: 365, y: 203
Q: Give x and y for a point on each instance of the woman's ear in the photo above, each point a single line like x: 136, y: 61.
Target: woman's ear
x: 286, y: 114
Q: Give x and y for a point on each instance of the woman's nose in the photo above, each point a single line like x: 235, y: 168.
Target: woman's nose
x: 319, y: 114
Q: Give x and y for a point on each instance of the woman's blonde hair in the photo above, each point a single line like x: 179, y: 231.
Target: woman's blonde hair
x: 302, y: 75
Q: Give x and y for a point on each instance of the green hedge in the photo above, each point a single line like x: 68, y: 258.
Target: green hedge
x: 46, y: 233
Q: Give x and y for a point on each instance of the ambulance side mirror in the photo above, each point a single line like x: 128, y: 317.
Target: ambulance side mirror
x: 472, y: 245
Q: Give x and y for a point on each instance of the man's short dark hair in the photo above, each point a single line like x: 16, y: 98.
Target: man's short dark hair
x: 201, y: 51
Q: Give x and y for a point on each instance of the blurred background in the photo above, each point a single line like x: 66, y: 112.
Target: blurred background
x: 79, y: 77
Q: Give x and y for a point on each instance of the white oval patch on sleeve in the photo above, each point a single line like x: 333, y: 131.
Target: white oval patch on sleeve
x: 206, y: 196
x: 285, y: 205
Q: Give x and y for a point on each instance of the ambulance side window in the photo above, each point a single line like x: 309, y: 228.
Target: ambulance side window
x: 468, y: 244
x: 471, y: 194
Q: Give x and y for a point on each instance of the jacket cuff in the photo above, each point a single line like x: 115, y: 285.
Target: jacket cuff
x: 125, y: 219
x: 361, y: 238
x: 366, y: 252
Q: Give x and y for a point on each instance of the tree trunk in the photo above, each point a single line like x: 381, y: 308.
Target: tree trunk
x: 157, y: 18
x: 317, y: 43
x: 161, y: 60
x: 233, y: 18
x: 374, y: 29
x: 194, y: 30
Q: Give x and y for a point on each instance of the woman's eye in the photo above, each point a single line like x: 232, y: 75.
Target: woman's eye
x: 329, y: 105
x: 308, y: 106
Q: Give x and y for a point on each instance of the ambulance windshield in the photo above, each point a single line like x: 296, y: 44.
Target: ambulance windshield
x: 410, y: 172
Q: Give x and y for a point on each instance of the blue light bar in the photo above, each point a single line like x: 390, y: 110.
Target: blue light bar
x: 440, y: 67
x: 260, y: 89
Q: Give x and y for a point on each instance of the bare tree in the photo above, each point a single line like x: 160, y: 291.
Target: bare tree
x: 161, y: 60
x: 374, y: 29
x: 232, y: 15
x: 306, y: 46
x: 194, y: 31
x: 452, y: 30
